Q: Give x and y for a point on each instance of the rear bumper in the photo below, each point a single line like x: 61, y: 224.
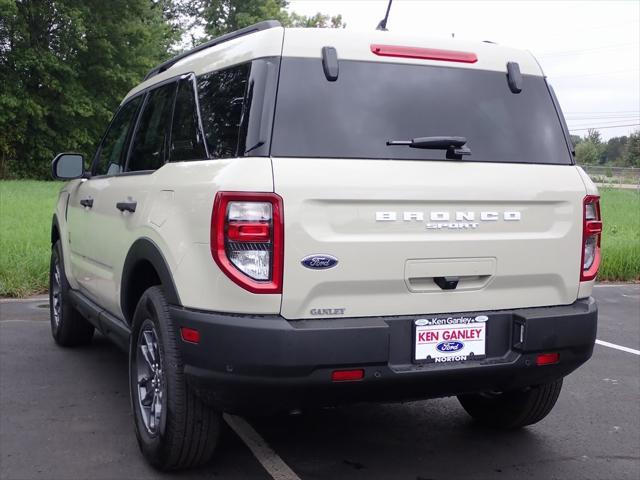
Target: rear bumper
x: 268, y: 363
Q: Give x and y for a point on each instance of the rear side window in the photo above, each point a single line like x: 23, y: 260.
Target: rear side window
x: 186, y: 140
x: 374, y: 102
x: 150, y: 145
x: 110, y: 157
x: 221, y: 95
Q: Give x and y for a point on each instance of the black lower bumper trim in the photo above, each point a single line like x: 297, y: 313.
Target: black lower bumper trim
x: 243, y: 362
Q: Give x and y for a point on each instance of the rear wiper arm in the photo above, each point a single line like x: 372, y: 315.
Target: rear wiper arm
x: 455, y: 146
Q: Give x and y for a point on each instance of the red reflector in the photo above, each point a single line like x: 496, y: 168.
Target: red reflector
x: 547, y: 358
x: 347, y: 375
x: 248, y: 232
x: 190, y: 335
x: 424, y: 53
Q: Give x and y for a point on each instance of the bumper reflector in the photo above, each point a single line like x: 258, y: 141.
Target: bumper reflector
x: 190, y: 335
x: 347, y: 375
x: 547, y: 358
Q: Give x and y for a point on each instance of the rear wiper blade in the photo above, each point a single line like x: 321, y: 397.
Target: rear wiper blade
x: 455, y: 146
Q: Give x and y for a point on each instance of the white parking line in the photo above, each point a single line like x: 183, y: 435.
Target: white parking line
x: 271, y: 462
x: 618, y: 347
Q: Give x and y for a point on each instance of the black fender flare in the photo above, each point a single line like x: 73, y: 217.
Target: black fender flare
x: 54, y: 226
x: 146, y: 249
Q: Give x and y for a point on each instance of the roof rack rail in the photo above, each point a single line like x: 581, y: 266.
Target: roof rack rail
x: 267, y: 24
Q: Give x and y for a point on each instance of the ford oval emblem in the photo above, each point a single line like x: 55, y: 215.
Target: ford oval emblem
x: 450, y: 347
x: 319, y: 262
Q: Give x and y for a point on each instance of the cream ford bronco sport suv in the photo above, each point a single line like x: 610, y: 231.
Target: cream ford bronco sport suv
x: 284, y: 218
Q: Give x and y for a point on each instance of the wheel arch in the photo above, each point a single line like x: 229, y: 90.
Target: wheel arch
x: 144, y: 267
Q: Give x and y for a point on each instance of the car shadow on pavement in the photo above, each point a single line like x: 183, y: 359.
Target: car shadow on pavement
x: 417, y: 440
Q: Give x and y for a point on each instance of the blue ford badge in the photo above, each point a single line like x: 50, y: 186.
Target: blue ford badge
x: 450, y: 347
x: 319, y: 262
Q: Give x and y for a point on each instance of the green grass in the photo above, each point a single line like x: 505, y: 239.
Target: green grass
x: 26, y: 208
x: 621, y: 235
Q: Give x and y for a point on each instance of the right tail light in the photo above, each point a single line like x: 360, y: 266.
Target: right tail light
x: 591, y: 237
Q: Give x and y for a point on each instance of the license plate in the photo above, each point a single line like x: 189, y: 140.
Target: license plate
x: 455, y: 338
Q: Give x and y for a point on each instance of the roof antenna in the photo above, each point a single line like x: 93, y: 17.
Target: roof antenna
x: 383, y: 23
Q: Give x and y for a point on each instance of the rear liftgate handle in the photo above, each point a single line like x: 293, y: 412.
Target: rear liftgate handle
x: 447, y: 283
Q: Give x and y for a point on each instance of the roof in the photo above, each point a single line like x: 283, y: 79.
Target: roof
x: 269, y: 39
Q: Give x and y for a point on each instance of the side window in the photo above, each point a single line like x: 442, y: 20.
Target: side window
x: 110, y: 157
x: 222, y: 95
x: 186, y: 140
x: 150, y: 144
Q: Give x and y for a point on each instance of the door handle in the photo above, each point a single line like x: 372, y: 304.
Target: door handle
x: 87, y: 202
x: 126, y: 206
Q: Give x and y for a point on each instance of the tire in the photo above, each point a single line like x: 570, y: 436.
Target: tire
x: 185, y: 432
x: 68, y: 327
x: 514, y: 409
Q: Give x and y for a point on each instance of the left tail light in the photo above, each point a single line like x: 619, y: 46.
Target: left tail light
x: 591, y: 236
x: 247, y: 239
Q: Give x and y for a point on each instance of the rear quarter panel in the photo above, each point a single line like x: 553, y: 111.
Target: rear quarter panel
x: 177, y: 217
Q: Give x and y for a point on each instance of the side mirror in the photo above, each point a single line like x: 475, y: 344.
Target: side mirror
x: 67, y: 166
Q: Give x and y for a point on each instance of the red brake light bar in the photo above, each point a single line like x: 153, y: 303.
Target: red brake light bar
x: 424, y: 53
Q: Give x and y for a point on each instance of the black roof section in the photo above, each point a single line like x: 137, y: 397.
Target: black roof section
x: 267, y: 24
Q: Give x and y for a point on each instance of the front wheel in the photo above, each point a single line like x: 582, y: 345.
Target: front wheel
x: 174, y: 428
x: 68, y: 327
x: 512, y: 409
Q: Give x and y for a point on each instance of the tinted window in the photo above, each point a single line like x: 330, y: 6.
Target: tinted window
x: 221, y: 95
x: 110, y: 156
x: 372, y: 103
x: 186, y: 141
x: 150, y: 145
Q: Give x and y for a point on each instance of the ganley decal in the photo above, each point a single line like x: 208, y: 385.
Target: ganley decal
x: 319, y: 262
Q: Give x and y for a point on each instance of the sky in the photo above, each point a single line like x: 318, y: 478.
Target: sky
x: 589, y: 50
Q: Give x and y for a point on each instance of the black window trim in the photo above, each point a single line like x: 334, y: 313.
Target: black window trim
x: 194, y: 84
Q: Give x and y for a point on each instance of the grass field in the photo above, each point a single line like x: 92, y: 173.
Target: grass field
x: 25, y: 220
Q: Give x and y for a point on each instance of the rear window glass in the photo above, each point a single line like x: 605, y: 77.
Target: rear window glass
x: 373, y: 102
x: 221, y: 96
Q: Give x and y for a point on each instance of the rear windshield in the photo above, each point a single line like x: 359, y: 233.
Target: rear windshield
x: 371, y: 103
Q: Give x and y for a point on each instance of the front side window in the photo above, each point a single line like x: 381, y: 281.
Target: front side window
x: 110, y: 157
x: 150, y: 145
x: 186, y: 140
x: 221, y: 95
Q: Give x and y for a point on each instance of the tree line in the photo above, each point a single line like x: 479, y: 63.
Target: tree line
x: 66, y: 64
x: 621, y: 151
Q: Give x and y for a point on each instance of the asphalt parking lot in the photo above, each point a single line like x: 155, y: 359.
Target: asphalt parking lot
x: 65, y: 414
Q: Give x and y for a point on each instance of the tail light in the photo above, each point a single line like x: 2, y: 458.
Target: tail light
x: 591, y: 233
x: 247, y: 239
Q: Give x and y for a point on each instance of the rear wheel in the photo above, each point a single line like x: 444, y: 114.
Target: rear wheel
x: 68, y: 327
x: 175, y: 429
x: 513, y: 409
